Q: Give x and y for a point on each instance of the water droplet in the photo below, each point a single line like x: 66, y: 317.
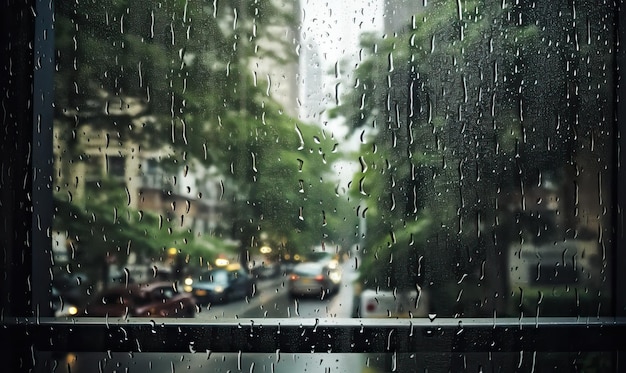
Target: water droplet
x: 126, y: 276
x: 300, y: 137
x: 460, y: 329
x: 361, y: 188
x: 152, y: 25
x: 253, y: 162
x: 363, y: 164
x: 300, y: 213
x: 235, y: 18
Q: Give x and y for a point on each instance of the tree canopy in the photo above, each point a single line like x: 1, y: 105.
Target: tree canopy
x: 465, y: 109
x: 177, y: 75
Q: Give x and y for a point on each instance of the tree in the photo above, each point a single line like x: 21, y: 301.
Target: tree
x: 176, y: 75
x: 105, y: 230
x: 457, y: 111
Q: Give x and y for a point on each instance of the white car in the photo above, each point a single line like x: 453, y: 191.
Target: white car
x: 314, y: 279
x: 383, y: 304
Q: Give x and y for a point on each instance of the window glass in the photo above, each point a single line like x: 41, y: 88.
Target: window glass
x: 317, y: 362
x: 443, y: 158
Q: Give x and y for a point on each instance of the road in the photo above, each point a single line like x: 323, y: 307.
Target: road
x: 272, y: 301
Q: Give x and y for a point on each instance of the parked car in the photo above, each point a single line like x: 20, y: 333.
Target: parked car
x: 75, y: 287
x: 314, y: 278
x: 158, y: 299
x: 265, y: 270
x: 60, y: 306
x: 222, y: 285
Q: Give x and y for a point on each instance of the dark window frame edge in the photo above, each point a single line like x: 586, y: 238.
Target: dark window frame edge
x: 325, y: 335
x: 36, y: 333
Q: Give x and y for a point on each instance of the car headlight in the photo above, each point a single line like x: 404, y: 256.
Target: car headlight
x: 335, y: 277
x: 188, y: 281
x: 67, y: 310
x: 219, y: 289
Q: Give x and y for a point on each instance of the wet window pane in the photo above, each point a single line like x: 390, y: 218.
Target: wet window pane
x: 316, y: 362
x: 389, y: 159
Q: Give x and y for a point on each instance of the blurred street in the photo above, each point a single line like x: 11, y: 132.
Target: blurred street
x: 271, y: 300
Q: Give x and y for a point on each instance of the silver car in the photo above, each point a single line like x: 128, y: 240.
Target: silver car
x: 315, y: 279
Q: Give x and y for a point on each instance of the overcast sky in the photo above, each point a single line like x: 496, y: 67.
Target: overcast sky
x: 333, y: 28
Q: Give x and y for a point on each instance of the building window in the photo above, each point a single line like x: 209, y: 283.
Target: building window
x: 116, y: 166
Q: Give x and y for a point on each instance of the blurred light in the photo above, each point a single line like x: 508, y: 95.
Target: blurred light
x: 70, y: 359
x: 233, y: 266
x: 188, y: 281
x: 187, y: 288
x: 219, y: 289
x: 296, y: 257
x: 172, y: 251
x: 335, y: 277
x: 265, y: 250
x: 319, y: 278
x: 66, y: 310
x: 221, y: 262
x: 287, y: 256
x: 293, y: 277
x: 333, y: 264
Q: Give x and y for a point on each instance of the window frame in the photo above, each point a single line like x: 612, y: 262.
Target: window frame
x: 25, y: 220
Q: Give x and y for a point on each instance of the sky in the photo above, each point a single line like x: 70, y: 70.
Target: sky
x: 336, y: 26
x: 332, y: 29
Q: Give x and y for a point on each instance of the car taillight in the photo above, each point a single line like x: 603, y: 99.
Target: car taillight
x: 293, y: 277
x: 370, y: 307
x: 319, y: 278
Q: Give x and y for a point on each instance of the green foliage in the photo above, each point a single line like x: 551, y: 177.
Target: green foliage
x: 460, y: 112
x: 176, y: 75
x: 180, y: 60
x: 283, y: 166
x: 394, y: 261
x: 106, y: 226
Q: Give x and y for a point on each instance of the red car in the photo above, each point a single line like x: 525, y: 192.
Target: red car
x: 158, y: 299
